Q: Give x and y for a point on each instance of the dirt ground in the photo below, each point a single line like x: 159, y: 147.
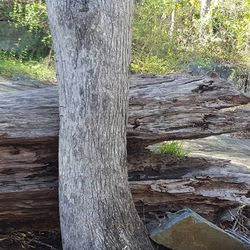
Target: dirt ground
x: 39, y: 241
x: 31, y: 241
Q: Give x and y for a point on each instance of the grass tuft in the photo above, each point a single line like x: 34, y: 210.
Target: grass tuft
x: 174, y: 148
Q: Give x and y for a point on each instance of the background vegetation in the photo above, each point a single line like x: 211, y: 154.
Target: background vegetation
x: 171, y: 34
x: 168, y: 36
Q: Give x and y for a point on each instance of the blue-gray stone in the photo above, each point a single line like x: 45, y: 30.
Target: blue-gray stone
x: 186, y: 230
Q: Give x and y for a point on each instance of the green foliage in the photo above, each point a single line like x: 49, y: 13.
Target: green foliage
x: 174, y: 148
x: 230, y: 24
x: 5, y: 9
x: 10, y: 66
x: 155, y: 47
x: 151, y: 63
x: 33, y: 16
x: 170, y: 34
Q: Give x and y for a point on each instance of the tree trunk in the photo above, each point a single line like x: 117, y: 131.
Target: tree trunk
x: 205, y: 6
x: 92, y: 43
x: 205, y: 15
x: 173, y: 17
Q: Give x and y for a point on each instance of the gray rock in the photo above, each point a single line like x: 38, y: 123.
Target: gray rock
x: 186, y: 230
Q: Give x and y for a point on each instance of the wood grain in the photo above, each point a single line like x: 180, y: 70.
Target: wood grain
x: 160, y: 108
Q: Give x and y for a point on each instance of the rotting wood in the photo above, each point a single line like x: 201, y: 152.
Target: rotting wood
x: 158, y: 183
x: 28, y: 185
x: 206, y: 185
x: 161, y: 108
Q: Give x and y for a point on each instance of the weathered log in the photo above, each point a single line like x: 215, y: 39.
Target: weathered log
x: 206, y: 185
x: 20, y: 83
x: 28, y: 185
x: 179, y: 107
x: 159, y: 184
x: 161, y: 108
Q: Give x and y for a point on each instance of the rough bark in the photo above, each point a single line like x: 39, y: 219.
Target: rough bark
x: 181, y: 107
x: 92, y: 44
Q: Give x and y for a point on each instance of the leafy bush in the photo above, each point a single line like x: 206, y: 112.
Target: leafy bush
x: 168, y: 34
x: 33, y: 16
x: 174, y: 148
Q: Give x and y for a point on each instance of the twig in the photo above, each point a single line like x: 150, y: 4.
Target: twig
x: 44, y: 244
x: 241, y: 237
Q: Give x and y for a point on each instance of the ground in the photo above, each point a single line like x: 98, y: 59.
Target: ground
x: 31, y: 241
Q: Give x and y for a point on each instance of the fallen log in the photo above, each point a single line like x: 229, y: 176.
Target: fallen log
x: 160, y: 108
x: 19, y: 83
x: 194, y: 107
x: 206, y: 185
x: 158, y: 183
x: 28, y: 185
